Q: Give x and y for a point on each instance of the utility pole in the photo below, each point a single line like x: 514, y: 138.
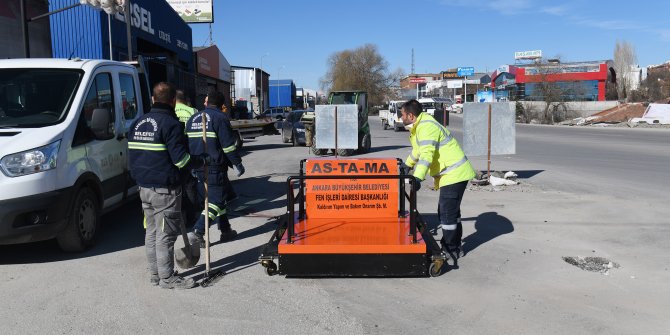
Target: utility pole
x: 24, y: 29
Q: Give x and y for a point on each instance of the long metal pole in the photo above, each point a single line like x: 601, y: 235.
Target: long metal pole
x: 24, y: 29
x: 488, y: 166
x: 126, y: 15
x: 109, y: 30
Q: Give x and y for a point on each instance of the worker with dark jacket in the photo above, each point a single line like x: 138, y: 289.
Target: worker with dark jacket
x: 223, y: 153
x: 436, y: 152
x: 158, y: 150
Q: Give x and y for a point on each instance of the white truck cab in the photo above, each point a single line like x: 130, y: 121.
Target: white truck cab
x: 63, y: 146
x: 391, y: 117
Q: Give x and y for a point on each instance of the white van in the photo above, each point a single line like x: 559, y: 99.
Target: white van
x: 431, y: 104
x: 391, y: 117
x: 63, y: 146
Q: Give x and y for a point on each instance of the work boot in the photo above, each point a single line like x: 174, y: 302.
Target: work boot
x: 455, y: 252
x: 177, y: 282
x: 227, y: 234
x: 154, y: 279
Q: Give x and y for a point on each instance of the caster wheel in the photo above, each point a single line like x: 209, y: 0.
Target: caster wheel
x: 271, y: 269
x: 435, y: 269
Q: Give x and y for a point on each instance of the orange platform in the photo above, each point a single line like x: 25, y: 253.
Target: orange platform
x: 352, y: 236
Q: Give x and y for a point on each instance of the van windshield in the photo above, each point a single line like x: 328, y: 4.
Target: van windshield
x: 31, y: 98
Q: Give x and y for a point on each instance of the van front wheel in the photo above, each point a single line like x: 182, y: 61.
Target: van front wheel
x: 82, y: 223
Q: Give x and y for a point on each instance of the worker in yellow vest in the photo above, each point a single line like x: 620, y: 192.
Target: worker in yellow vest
x: 436, y: 152
x: 184, y: 112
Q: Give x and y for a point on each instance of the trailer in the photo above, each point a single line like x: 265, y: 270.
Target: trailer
x: 352, y: 220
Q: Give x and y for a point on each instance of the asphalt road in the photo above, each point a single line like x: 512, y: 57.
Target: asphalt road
x: 584, y: 192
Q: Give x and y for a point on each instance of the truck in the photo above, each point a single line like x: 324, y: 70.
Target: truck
x: 391, y: 117
x: 63, y: 146
x: 364, y: 140
x: 282, y: 93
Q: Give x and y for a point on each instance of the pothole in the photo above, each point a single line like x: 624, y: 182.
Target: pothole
x: 592, y: 264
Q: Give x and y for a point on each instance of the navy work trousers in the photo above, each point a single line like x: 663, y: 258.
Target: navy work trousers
x: 219, y: 190
x: 449, y: 212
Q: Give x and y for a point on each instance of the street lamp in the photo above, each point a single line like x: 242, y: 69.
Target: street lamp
x: 278, y: 97
x: 262, y: 108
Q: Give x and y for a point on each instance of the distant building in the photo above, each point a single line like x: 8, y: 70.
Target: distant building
x: 39, y: 31
x: 579, y: 81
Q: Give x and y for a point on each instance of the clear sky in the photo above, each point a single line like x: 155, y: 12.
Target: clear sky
x: 298, y: 36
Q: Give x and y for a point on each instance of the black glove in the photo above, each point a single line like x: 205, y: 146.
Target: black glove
x: 240, y: 169
x: 405, y: 169
x: 418, y: 183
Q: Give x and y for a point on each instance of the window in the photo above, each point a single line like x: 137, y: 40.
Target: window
x: 128, y: 96
x: 100, y: 96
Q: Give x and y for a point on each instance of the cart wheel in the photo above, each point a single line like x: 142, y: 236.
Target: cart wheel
x: 435, y: 269
x: 271, y: 269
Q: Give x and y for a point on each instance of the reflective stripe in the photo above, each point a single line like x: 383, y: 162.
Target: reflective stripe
x: 212, y: 216
x: 183, y: 161
x: 422, y: 162
x: 147, y: 146
x: 216, y: 209
x: 229, y: 149
x: 427, y: 142
x: 449, y: 227
x: 199, y: 134
x: 145, y: 222
x: 454, y: 166
x: 411, y: 156
x: 447, y: 137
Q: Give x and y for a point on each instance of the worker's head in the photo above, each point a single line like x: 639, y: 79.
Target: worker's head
x: 215, y: 99
x: 181, y: 97
x: 410, y: 111
x: 164, y: 93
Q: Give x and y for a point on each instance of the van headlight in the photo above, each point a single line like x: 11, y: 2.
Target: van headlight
x: 31, y: 161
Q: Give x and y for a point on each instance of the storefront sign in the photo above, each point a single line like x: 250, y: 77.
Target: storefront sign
x: 417, y: 80
x: 534, y: 54
x: 194, y: 11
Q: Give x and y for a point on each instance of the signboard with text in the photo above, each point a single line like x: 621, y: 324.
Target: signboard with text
x: 194, y: 11
x: 534, y: 54
x: 417, y: 80
x: 360, y: 198
x: 465, y: 71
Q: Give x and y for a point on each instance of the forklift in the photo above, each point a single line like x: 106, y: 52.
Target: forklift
x: 349, y: 218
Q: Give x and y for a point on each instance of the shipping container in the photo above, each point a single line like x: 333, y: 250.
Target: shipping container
x: 282, y: 93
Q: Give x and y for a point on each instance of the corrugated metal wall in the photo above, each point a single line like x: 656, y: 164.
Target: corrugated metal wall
x: 75, y: 32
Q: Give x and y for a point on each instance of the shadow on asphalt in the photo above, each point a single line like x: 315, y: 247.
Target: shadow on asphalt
x: 488, y: 226
x: 388, y: 147
x: 525, y: 174
x: 120, y: 229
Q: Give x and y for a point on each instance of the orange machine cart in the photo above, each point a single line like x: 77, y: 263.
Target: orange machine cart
x: 351, y: 221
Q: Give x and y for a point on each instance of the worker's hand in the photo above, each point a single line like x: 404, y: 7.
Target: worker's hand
x: 240, y: 169
x: 418, y: 183
x: 405, y: 169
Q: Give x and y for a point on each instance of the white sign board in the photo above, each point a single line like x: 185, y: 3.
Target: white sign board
x: 347, y: 126
x: 475, y: 128
x: 534, y: 54
x: 454, y: 83
x: 193, y: 11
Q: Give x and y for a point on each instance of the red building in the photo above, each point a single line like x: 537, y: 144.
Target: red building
x: 578, y: 81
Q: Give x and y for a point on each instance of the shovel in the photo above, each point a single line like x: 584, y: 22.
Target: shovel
x: 188, y: 256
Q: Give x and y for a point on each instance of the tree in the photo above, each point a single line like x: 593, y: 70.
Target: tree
x: 624, y: 59
x: 364, y: 69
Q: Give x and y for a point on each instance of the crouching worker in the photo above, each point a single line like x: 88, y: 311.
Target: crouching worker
x: 158, y: 150
x: 223, y: 154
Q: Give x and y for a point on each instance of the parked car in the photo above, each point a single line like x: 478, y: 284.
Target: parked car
x: 292, y: 129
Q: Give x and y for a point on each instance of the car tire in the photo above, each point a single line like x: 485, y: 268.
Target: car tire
x: 366, y: 144
x: 294, y: 139
x: 345, y: 152
x: 83, y: 218
x: 283, y: 137
x: 318, y: 152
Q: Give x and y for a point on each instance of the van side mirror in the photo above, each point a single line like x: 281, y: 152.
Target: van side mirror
x: 101, y: 124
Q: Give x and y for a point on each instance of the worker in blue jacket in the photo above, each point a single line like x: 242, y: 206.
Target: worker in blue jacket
x: 158, y: 151
x: 223, y: 154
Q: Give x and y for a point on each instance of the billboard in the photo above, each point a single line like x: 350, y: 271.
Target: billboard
x: 534, y: 54
x: 194, y: 11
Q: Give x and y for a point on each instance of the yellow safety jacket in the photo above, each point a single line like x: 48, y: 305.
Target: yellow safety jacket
x: 436, y: 151
x: 184, y: 112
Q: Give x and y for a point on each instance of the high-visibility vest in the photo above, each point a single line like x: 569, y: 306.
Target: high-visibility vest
x: 184, y: 112
x: 436, y: 152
